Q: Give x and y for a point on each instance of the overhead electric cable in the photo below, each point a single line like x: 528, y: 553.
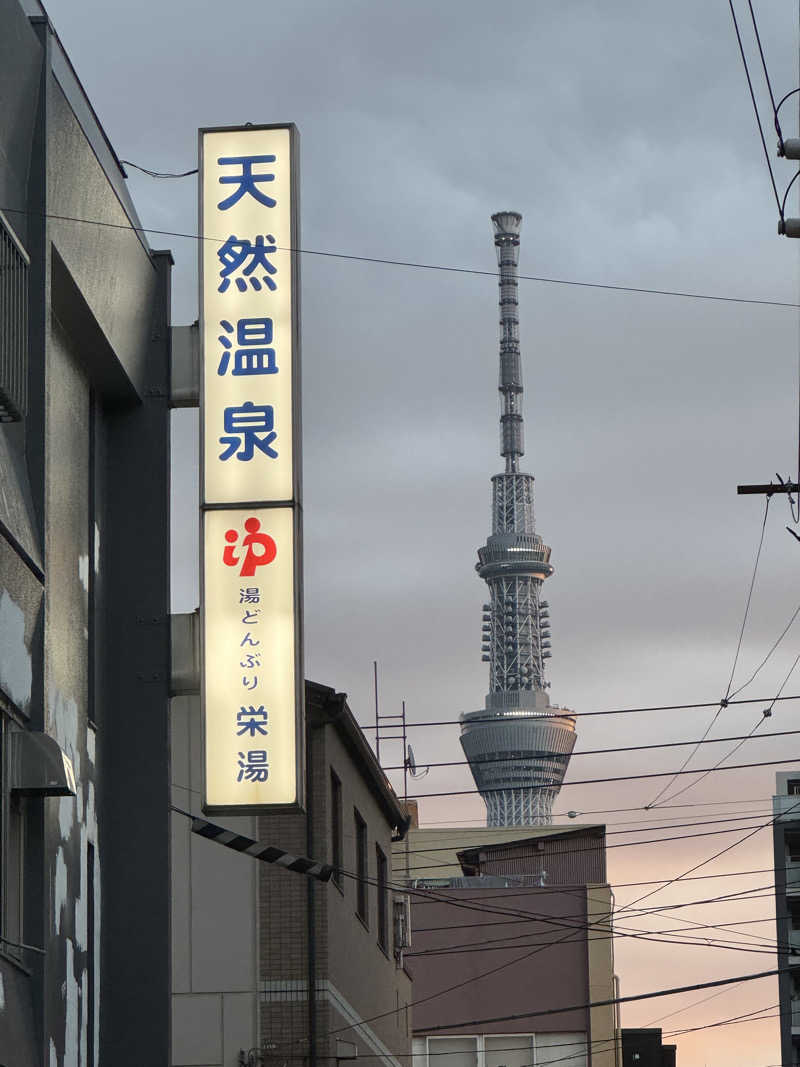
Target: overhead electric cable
x: 624, y: 777
x: 724, y: 702
x: 755, y: 108
x: 384, y: 261
x: 612, y: 711
x: 767, y: 712
x: 608, y: 751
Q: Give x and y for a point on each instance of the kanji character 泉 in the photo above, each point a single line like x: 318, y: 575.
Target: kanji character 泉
x: 250, y: 618
x: 248, y: 256
x: 253, y: 766
x: 246, y: 180
x: 254, y: 356
x: 247, y: 640
x: 246, y: 682
x: 251, y: 660
x: 251, y: 595
x: 252, y: 721
x: 243, y: 425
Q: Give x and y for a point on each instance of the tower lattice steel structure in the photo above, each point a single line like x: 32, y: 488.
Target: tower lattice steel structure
x: 519, y: 746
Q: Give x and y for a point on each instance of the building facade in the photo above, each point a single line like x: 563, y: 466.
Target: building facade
x: 511, y: 943
x: 271, y: 966
x: 786, y: 845
x: 84, y: 583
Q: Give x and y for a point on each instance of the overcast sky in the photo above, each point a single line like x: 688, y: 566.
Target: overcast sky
x: 625, y: 136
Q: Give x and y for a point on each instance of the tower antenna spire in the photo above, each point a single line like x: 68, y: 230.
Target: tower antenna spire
x: 514, y: 563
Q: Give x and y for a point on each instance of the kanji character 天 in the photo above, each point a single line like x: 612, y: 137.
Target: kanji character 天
x: 254, y: 356
x: 248, y: 256
x: 251, y: 720
x: 244, y: 426
x: 253, y: 766
x: 246, y: 181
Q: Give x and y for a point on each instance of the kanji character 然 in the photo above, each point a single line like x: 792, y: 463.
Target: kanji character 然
x: 246, y: 180
x: 248, y: 256
x: 243, y: 429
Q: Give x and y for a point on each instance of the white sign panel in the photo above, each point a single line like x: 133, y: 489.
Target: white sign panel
x: 252, y: 678
x: 250, y: 640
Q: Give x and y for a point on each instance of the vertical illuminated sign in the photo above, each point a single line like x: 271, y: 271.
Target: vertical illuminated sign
x: 252, y: 679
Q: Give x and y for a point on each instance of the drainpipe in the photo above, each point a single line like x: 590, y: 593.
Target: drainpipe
x: 311, y: 892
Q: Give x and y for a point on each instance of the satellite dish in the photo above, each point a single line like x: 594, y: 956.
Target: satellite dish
x: 411, y: 763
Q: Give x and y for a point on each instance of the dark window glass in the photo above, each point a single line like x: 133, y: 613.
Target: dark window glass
x: 383, y: 899
x: 336, y: 829
x: 361, y: 867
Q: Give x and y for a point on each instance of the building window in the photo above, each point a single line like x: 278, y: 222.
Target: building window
x: 383, y: 899
x: 793, y: 787
x: 361, y: 867
x: 336, y: 829
x: 13, y: 326
x: 453, y: 1051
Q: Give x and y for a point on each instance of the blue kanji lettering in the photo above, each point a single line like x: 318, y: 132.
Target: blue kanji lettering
x: 255, y: 356
x: 251, y: 720
x: 246, y: 181
x: 253, y: 766
x: 248, y: 428
x: 247, y: 257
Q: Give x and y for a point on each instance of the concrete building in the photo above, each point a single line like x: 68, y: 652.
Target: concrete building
x: 271, y: 966
x: 84, y: 589
x: 786, y: 844
x: 511, y: 927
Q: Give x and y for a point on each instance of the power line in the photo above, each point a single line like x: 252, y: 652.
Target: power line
x: 623, y: 777
x: 611, y: 1002
x: 765, y: 714
x: 724, y: 702
x: 608, y: 751
x: 385, y: 261
x: 755, y: 108
x: 589, y: 714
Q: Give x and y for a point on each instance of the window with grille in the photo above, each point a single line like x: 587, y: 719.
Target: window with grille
x: 13, y: 326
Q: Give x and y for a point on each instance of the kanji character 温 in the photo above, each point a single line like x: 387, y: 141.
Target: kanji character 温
x: 254, y: 356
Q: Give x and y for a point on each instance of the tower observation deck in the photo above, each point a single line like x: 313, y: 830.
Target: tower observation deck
x: 518, y: 746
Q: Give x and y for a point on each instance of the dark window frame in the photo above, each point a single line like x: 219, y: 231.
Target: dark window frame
x: 362, y: 872
x: 337, y: 837
x: 383, y: 898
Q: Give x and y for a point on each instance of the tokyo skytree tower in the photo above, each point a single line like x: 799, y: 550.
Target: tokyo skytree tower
x: 519, y: 746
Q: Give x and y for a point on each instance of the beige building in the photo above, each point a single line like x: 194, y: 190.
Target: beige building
x: 505, y: 925
x: 271, y: 966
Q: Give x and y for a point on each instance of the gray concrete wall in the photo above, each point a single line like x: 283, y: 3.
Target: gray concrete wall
x: 214, y: 919
x: 84, y: 590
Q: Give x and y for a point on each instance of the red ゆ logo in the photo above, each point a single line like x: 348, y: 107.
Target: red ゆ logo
x: 259, y: 548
